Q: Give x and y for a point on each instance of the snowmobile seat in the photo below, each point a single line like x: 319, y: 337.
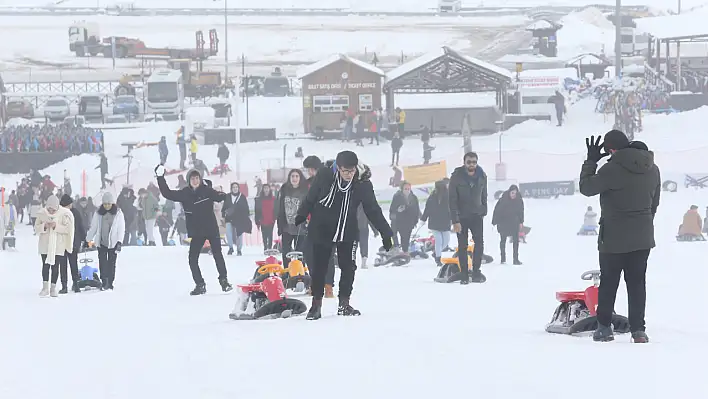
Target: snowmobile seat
x: 267, y: 262
x: 569, y: 296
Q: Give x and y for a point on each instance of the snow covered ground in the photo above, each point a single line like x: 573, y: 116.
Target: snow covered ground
x: 416, y: 338
x: 359, y: 5
x: 262, y: 40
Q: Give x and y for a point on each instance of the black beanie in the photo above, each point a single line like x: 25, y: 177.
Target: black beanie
x: 65, y: 200
x: 312, y: 162
x: 615, y: 140
x: 347, y: 159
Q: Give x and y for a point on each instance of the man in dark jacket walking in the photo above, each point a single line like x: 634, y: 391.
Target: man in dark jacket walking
x: 629, y: 185
x: 72, y: 258
x: 332, y: 203
x: 197, y: 200
x: 468, y: 207
x: 312, y: 164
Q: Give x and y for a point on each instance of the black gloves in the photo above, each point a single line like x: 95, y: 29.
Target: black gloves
x: 299, y: 219
x: 160, y: 171
x: 595, y: 151
x: 387, y: 242
x: 118, y: 247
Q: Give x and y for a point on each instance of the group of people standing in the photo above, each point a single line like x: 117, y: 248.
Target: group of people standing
x: 63, y: 234
x: 469, y: 199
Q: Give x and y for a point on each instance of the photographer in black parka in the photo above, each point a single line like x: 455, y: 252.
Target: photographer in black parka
x: 332, y: 202
x: 629, y: 185
x: 198, y: 199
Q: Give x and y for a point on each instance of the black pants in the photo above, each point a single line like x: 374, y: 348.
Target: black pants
x: 195, y: 249
x: 73, y: 262
x: 502, y: 246
x: 267, y: 234
x: 405, y: 233
x: 634, y: 265
x: 474, y: 225
x: 164, y: 234
x: 55, y: 268
x: 346, y: 255
x: 292, y: 243
x: 395, y: 155
x: 310, y: 260
x: 107, y: 265
x: 364, y: 242
x: 559, y: 116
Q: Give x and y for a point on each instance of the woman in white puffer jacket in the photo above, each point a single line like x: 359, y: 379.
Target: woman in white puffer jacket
x: 55, y: 228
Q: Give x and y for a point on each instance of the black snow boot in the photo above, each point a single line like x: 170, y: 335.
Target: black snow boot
x: 517, y: 262
x: 603, y: 334
x: 503, y: 258
x: 438, y: 261
x: 345, y: 309
x: 640, y: 337
x: 75, y: 287
x: 315, y: 312
x: 238, y: 253
x: 63, y: 290
x: 200, y: 289
x: 231, y: 251
x: 478, y: 277
x: 225, y: 286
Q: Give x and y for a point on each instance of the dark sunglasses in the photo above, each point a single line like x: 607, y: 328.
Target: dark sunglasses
x: 471, y: 162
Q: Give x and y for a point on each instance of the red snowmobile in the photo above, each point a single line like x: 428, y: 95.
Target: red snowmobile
x: 577, y: 312
x: 266, y: 299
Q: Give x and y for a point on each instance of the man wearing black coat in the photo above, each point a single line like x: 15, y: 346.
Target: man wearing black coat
x: 72, y: 258
x: 312, y: 164
x: 332, y: 203
x: 629, y: 185
x: 197, y: 200
x: 468, y: 207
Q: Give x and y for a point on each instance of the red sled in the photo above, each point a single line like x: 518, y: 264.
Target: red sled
x: 577, y: 312
x: 220, y: 169
x: 266, y: 300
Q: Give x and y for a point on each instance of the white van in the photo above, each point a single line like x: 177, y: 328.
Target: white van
x: 449, y: 5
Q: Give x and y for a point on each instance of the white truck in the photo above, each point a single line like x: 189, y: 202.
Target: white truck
x: 84, y: 38
x: 165, y: 94
x: 449, y: 5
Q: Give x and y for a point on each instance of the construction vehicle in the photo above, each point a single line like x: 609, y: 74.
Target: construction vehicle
x: 85, y: 39
x: 199, y: 83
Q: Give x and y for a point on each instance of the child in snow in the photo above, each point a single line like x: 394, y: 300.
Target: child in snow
x: 164, y: 222
x: 589, y: 226
x: 35, y: 207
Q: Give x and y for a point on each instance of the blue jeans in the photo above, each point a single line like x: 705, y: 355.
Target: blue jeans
x: 230, y: 238
x: 442, y: 240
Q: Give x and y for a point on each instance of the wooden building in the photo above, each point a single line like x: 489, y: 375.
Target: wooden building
x: 335, y: 85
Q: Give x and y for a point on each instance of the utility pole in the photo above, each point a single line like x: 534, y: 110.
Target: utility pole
x: 618, y: 39
x: 226, y: 40
x: 679, y: 73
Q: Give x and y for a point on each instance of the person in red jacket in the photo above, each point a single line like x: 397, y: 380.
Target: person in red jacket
x: 265, y: 215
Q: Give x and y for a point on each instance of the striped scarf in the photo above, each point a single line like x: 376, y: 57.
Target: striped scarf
x: 345, y: 188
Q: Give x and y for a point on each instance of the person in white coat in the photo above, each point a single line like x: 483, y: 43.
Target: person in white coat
x: 106, y: 232
x: 55, y: 227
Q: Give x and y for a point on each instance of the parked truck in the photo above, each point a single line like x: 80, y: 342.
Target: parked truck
x: 85, y: 39
x: 199, y: 83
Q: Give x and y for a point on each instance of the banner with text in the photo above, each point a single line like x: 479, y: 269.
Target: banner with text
x: 547, y: 189
x: 425, y: 174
